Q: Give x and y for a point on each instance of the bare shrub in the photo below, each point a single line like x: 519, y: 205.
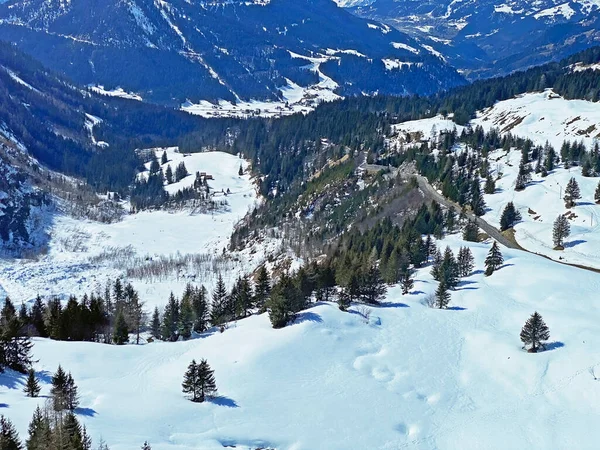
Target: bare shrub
x: 364, y: 312
x: 429, y: 301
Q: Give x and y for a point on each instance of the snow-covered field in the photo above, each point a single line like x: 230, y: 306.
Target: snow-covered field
x: 544, y: 116
x: 67, y: 268
x: 413, y: 377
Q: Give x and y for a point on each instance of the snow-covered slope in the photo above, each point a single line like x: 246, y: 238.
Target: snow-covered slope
x: 544, y: 116
x: 413, y: 377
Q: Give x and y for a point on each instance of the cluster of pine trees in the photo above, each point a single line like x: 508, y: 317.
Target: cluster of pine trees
x: 15, y: 343
x: 108, y: 318
x: 197, y: 311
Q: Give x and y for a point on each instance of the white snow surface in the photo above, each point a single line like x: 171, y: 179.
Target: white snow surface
x: 413, y: 377
x: 117, y: 92
x: 544, y: 116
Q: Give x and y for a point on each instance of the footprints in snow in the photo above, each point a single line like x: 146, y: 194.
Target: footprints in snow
x: 371, y: 360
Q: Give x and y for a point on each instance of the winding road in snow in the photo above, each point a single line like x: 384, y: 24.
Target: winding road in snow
x: 492, y: 231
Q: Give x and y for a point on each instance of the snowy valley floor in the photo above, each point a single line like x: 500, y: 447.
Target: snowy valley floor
x: 413, y: 377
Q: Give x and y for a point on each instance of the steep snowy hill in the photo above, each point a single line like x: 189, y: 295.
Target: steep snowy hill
x: 220, y: 50
x: 412, y: 377
x: 491, y: 37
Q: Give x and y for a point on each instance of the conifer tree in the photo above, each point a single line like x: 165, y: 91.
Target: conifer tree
x: 510, y: 216
x: 373, y: 288
x: 9, y: 438
x: 406, y: 281
x: 218, y: 314
x: 243, y: 298
x: 38, y: 311
x: 40, y: 433
x: 154, y: 166
x: 58, y: 392
x: 262, y: 288
x: 180, y: 172
x: 560, y: 231
x: 476, y: 199
x: 442, y: 296
x: 241, y: 171
x: 284, y: 303
x: 155, y: 324
x: 186, y: 317
x: 71, y: 395
x: 344, y: 300
x: 15, y: 344
x: 448, y: 273
x: 490, y: 185
x: 169, y: 175
x: 201, y: 309
x: 169, y: 329
x: 465, y: 262
x: 121, y: 333
x: 164, y: 159
x: 32, y: 386
x: 572, y: 193
x: 199, y: 381
x: 146, y: 446
x: 597, y: 193
x: 471, y: 231
x: 534, y: 332
x: 325, y: 283
x: 493, y: 260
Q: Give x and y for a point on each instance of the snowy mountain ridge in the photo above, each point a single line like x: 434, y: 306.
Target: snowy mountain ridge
x: 492, y: 37
x: 195, y: 56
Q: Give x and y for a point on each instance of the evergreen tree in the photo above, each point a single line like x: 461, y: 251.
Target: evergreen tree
x: 373, y: 288
x: 493, y: 260
x: 32, y: 386
x: 169, y: 329
x: 471, y: 232
x: 560, y: 231
x: 534, y: 332
x: 146, y: 446
x: 180, y: 172
x: 490, y: 185
x: 448, y: 272
x: 572, y: 193
x: 477, y: 203
x: 9, y: 438
x: 155, y: 324
x: 154, y: 166
x: 169, y: 175
x: 15, y: 344
x: 121, y: 333
x: 344, y: 300
x: 199, y: 381
x: 325, y: 283
x: 243, y: 298
x: 262, y: 288
x: 509, y: 217
x: 164, y: 159
x: 465, y: 262
x: 241, y: 171
x: 57, y: 392
x: 597, y: 193
x: 71, y: 395
x: 38, y: 311
x: 40, y: 433
x: 406, y: 281
x: 186, y: 317
x: 218, y: 315
x: 201, y: 309
x: 442, y: 296
x: 284, y: 303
